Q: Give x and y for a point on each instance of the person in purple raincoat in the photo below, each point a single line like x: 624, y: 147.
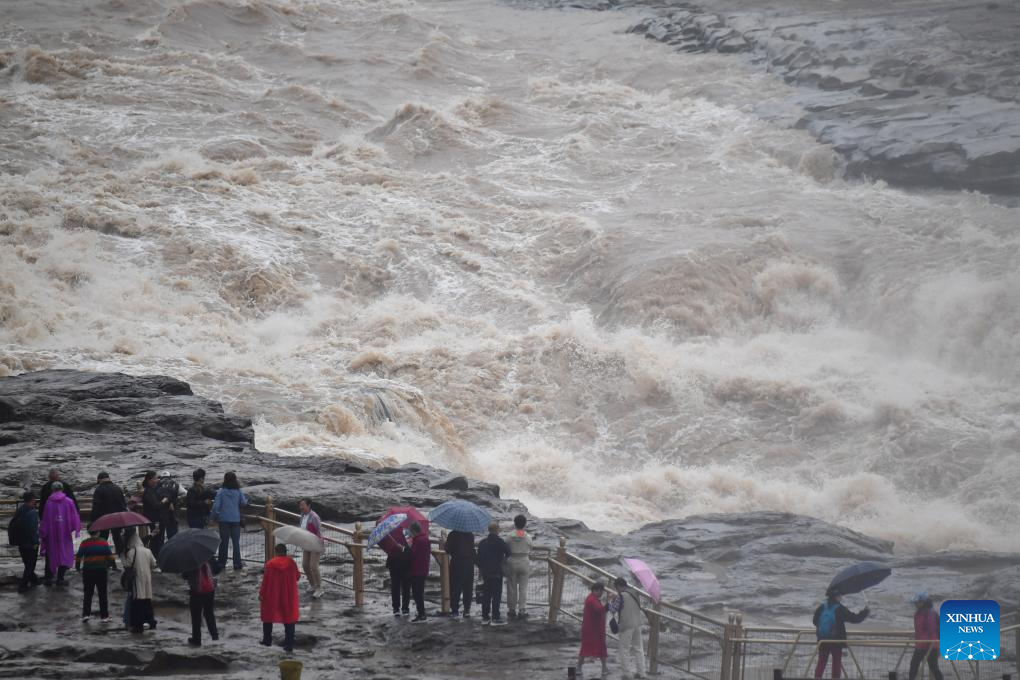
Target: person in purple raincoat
x: 60, y: 522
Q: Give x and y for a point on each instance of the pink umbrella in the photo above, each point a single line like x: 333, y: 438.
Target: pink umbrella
x: 644, y: 574
x: 118, y: 520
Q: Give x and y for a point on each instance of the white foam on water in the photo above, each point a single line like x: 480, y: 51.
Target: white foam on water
x: 519, y: 244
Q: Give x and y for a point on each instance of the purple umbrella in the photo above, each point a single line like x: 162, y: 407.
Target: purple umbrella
x: 644, y: 574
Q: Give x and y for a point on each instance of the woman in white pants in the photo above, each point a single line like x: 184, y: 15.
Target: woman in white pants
x: 627, y: 608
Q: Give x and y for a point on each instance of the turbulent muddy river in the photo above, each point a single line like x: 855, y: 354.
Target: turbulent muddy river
x: 515, y: 242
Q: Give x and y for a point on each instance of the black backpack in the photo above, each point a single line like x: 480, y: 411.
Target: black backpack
x: 16, y: 528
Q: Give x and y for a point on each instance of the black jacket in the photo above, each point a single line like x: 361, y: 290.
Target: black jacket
x: 843, y: 617
x: 460, y: 545
x: 492, y: 553
x: 197, y: 499
x: 151, y: 506
x: 47, y: 489
x: 106, y: 499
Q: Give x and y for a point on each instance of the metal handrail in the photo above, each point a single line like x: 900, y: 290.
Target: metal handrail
x: 688, y: 624
x: 643, y: 593
x: 794, y: 631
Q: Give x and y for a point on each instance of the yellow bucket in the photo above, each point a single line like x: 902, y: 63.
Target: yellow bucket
x: 290, y: 670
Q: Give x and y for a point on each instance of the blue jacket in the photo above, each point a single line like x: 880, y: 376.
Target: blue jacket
x: 228, y: 504
x: 28, y: 518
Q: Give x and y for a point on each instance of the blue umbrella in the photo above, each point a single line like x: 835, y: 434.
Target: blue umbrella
x: 385, y: 528
x: 458, y: 515
x: 858, y: 577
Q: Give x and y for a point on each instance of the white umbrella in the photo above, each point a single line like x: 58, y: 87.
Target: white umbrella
x: 302, y: 538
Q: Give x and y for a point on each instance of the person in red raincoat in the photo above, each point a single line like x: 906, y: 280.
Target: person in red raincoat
x: 593, y: 628
x: 278, y: 596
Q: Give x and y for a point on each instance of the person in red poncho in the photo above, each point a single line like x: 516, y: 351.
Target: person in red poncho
x: 593, y: 628
x: 278, y: 595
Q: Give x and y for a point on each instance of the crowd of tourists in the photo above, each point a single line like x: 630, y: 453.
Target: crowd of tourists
x: 46, y: 524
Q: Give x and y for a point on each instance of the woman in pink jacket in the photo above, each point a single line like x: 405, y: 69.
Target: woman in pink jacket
x: 926, y: 633
x: 421, y: 557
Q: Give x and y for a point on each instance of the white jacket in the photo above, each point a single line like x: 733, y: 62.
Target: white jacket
x: 141, y: 558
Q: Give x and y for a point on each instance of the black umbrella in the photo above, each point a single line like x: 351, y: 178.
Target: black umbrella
x: 188, y: 550
x: 858, y: 577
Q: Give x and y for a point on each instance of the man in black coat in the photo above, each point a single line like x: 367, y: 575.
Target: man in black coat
x: 107, y: 499
x: 152, y: 508
x: 47, y: 489
x: 198, y: 501
x: 460, y: 546
x: 493, y: 552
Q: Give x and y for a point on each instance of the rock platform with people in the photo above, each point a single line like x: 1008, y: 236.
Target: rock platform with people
x: 757, y: 563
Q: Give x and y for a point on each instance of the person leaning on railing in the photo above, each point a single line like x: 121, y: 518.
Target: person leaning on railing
x: 226, y: 510
x: 926, y: 633
x: 460, y: 546
x: 518, y: 569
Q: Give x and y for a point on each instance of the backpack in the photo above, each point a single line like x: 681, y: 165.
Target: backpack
x: 826, y: 628
x: 205, y: 580
x: 16, y: 528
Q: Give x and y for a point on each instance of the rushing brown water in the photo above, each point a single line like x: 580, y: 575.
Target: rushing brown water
x: 517, y: 243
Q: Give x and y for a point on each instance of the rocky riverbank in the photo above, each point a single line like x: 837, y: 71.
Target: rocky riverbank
x: 771, y: 566
x: 917, y: 94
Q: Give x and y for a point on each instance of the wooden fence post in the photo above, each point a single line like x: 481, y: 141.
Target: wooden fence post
x: 556, y: 592
x: 654, y: 624
x: 270, y: 529
x: 444, y: 575
x: 358, y: 553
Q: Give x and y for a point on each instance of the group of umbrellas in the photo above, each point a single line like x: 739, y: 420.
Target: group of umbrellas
x: 455, y: 515
x: 190, y: 548
x: 186, y: 551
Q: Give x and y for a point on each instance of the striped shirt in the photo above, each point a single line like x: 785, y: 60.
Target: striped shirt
x: 94, y: 553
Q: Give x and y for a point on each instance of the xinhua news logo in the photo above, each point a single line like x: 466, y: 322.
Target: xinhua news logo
x: 969, y: 630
